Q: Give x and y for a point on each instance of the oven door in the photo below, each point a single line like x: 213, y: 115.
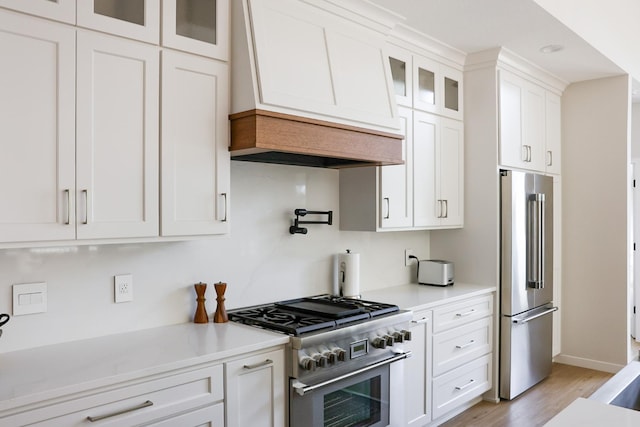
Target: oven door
x: 365, y: 398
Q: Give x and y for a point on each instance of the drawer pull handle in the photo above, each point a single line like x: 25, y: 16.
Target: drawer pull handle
x: 472, y: 342
x: 465, y: 314
x: 423, y: 320
x: 259, y: 364
x: 124, y: 411
x: 469, y: 384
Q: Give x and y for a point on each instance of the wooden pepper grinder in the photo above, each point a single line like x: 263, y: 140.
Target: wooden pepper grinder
x: 220, y: 315
x: 201, y: 315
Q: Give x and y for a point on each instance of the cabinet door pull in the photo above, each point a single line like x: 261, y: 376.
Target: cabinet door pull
x: 85, y: 193
x: 524, y: 153
x: 386, y: 199
x: 439, y: 208
x: 469, y: 384
x: 68, y: 197
x: 258, y: 365
x: 529, y: 153
x: 470, y: 343
x: 123, y: 411
x: 549, y: 158
x: 466, y: 313
x: 224, y: 196
x: 445, y: 203
x: 423, y: 320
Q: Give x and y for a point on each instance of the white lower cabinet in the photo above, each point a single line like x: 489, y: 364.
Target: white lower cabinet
x: 151, y: 402
x: 255, y: 391
x: 418, y: 396
x: 250, y: 388
x: 452, y: 358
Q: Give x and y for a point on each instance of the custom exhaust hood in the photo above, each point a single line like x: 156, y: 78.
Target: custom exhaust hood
x: 311, y: 84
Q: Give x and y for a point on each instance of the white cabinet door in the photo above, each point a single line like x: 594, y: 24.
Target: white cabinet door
x: 417, y: 371
x: 396, y: 182
x: 136, y: 19
x: 512, y: 150
x: 59, y: 10
x: 117, y: 137
x: 553, y: 133
x: 195, y: 158
x: 533, y: 126
x: 426, y: 135
x: 401, y: 64
x: 255, y: 391
x: 438, y: 153
x: 450, y: 167
x: 198, y: 26
x: 37, y: 117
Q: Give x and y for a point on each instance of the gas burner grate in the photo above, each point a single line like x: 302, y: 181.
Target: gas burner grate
x: 297, y: 317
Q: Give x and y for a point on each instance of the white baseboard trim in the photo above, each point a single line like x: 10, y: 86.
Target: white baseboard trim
x: 588, y: 363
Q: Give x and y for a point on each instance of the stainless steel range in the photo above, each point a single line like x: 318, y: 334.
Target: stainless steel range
x: 345, y: 358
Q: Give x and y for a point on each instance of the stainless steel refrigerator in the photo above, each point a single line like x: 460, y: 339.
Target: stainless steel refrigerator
x: 526, y: 280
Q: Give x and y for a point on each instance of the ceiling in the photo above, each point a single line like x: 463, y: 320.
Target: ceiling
x: 519, y: 25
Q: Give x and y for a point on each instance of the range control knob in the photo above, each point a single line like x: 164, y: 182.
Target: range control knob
x: 308, y: 364
x: 339, y: 353
x: 389, y: 339
x: 379, y: 342
x: 321, y: 361
x: 327, y: 354
x: 398, y: 336
x: 407, y: 334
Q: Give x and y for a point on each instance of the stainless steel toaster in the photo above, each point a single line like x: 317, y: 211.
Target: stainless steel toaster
x: 435, y: 272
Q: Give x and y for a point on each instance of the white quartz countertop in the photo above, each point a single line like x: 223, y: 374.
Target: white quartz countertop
x: 31, y: 375
x: 590, y: 413
x: 420, y: 297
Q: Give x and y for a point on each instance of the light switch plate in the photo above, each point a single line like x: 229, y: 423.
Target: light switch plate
x: 29, y: 298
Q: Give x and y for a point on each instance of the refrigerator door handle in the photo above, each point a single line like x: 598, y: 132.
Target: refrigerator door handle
x: 535, y: 316
x: 536, y: 243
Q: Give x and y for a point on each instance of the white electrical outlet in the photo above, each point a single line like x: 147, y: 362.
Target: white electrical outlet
x: 408, y: 253
x: 123, y: 288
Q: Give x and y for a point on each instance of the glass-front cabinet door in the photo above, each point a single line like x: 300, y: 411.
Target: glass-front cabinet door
x: 136, y: 19
x: 58, y: 10
x: 426, y: 90
x: 400, y: 62
x: 198, y: 26
x: 451, y: 92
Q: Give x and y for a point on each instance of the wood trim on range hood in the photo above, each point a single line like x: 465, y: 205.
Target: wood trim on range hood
x: 269, y: 137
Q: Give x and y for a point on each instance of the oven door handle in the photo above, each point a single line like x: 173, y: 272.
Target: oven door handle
x: 302, y: 388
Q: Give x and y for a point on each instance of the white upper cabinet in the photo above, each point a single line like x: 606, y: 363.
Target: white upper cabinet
x: 529, y: 125
x: 425, y: 84
x: 438, y: 157
x: 58, y: 10
x: 553, y: 120
x: 117, y: 137
x: 198, y: 26
x: 195, y: 157
x: 308, y: 60
x: 396, y: 181
x: 37, y: 122
x: 136, y: 19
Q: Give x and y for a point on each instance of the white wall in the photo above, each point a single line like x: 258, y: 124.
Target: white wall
x: 260, y: 261
x: 595, y: 157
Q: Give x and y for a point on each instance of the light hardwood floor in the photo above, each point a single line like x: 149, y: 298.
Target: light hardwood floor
x: 539, y: 404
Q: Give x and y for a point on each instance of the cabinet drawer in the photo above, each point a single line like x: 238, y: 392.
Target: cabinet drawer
x: 458, y: 346
x: 456, y: 314
x: 461, y: 385
x: 129, y: 405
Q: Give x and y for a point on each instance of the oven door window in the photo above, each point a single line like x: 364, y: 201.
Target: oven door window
x: 358, y: 401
